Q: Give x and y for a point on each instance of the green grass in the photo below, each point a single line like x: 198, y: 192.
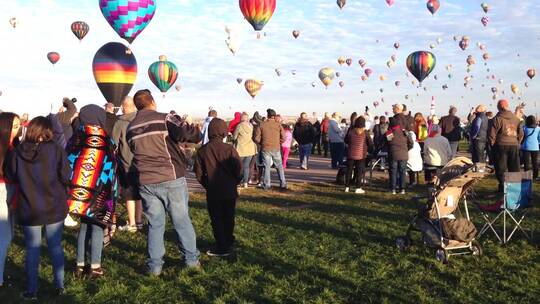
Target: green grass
x: 314, y: 244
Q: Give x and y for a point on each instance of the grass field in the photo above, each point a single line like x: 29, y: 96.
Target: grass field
x: 313, y: 244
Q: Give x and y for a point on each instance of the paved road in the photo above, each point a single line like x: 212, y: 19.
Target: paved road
x: 319, y: 172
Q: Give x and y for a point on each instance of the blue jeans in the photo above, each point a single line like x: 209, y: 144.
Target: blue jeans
x: 268, y: 157
x: 305, y: 152
x: 32, y: 240
x: 399, y: 170
x: 246, y: 162
x: 6, y: 228
x: 90, y: 235
x: 168, y: 197
x: 337, y: 152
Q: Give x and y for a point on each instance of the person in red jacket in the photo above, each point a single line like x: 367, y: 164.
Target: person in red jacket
x: 324, y: 133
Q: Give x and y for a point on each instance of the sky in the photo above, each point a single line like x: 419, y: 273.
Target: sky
x: 191, y: 33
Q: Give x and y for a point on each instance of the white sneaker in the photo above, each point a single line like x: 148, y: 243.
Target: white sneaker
x: 402, y: 191
x: 245, y: 185
x: 70, y: 222
x: 347, y: 189
x: 359, y: 191
x: 393, y: 192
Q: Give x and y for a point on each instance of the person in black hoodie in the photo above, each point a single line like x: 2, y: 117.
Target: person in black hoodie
x: 304, y: 133
x: 41, y: 169
x: 219, y: 170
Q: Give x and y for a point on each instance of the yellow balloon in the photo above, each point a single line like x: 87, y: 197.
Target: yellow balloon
x: 326, y: 75
x: 253, y: 87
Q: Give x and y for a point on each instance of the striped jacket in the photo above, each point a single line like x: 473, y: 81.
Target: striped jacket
x: 154, y: 140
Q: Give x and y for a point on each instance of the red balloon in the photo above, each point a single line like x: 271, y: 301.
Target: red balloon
x: 53, y: 57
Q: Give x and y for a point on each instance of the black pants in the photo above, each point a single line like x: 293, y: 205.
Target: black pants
x: 530, y: 159
x: 316, y: 145
x: 222, y: 218
x: 325, y: 144
x: 478, y: 151
x: 359, y: 167
x: 506, y: 159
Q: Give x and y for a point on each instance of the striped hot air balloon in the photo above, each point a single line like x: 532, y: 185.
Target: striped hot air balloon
x: 115, y: 71
x: 53, y: 57
x: 128, y: 17
x: 163, y: 74
x: 421, y: 64
x: 253, y: 87
x: 258, y: 12
x: 80, y: 29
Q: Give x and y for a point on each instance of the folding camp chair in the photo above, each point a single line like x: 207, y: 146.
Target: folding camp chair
x: 514, y: 206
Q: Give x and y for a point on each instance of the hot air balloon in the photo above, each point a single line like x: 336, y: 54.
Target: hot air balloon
x: 433, y: 6
x: 293, y: 72
x: 368, y: 72
x: 375, y: 104
x: 445, y: 86
x: 313, y: 84
x: 485, y: 21
x: 163, y: 74
x: 14, y: 22
x: 421, y: 64
x: 364, y: 77
x: 471, y: 60
x: 278, y: 72
x: 464, y: 44
x: 258, y: 12
x: 389, y: 64
x: 382, y: 78
x: 531, y: 73
x: 53, y: 57
x: 439, y: 40
x: 341, y: 84
x: 526, y: 84
x: 341, y: 60
x: 514, y: 88
x: 494, y: 90
x: 341, y: 3
x: 295, y: 34
x: 178, y: 87
x: 349, y: 61
x: 390, y: 2
x: 239, y: 80
x: 485, y: 56
x: 397, y: 83
x: 253, y: 87
x: 80, y: 29
x: 432, y: 46
x: 362, y: 62
x: 233, y: 40
x: 485, y: 7
x: 393, y: 58
x: 396, y: 45
x: 128, y: 20
x: 326, y: 75
x: 115, y: 71
x: 338, y: 74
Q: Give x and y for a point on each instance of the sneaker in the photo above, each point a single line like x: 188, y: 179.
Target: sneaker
x: 402, y: 191
x: 70, y: 222
x: 29, y: 296
x: 347, y: 189
x: 245, y: 185
x: 218, y: 253
x: 359, y: 191
x: 196, y: 267
x: 59, y: 292
x: 128, y: 228
x: 96, y: 273
x: 80, y: 272
x: 393, y: 192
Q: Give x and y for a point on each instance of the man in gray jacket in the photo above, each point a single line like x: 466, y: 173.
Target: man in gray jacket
x: 160, y: 165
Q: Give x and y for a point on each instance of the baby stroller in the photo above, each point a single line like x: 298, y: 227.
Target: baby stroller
x: 440, y: 220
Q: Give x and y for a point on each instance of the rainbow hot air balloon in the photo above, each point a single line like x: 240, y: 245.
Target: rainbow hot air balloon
x: 257, y: 12
x: 326, y: 75
x: 163, y: 74
x: 115, y: 71
x: 128, y: 18
x: 253, y: 87
x: 421, y: 64
x: 53, y: 57
x: 433, y: 6
x: 80, y: 29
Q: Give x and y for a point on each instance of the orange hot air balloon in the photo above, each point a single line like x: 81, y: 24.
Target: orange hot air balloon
x: 341, y: 60
x: 253, y: 87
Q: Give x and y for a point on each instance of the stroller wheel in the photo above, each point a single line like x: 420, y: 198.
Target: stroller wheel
x: 476, y: 249
x: 403, y: 243
x: 441, y: 256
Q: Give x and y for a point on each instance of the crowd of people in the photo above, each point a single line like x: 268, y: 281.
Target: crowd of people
x: 82, y: 162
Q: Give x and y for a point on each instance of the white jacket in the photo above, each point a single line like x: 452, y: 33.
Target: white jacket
x: 415, y: 162
x: 437, y: 151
